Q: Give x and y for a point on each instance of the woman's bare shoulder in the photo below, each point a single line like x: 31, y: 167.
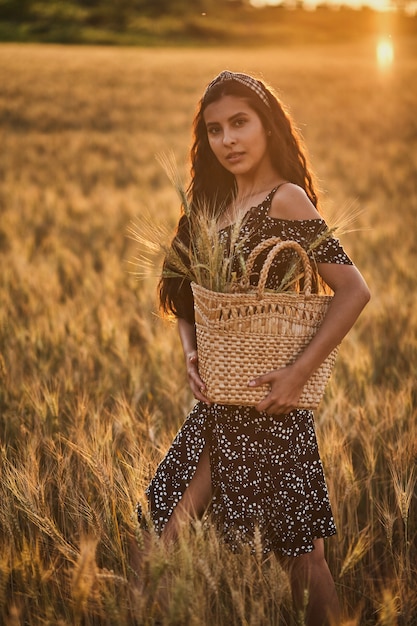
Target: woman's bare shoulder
x: 292, y: 203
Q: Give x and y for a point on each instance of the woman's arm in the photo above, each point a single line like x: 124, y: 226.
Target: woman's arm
x: 351, y: 294
x: 189, y: 345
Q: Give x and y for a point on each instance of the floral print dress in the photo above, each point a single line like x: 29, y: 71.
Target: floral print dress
x: 266, y: 470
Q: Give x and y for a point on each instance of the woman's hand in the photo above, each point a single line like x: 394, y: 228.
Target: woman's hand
x: 286, y: 388
x: 197, y: 385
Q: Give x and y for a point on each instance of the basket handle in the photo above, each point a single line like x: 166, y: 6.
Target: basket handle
x: 278, y: 246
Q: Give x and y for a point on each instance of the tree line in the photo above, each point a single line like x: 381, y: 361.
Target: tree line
x: 99, y: 11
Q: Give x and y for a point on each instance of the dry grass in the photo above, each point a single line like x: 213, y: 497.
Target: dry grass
x: 92, y: 384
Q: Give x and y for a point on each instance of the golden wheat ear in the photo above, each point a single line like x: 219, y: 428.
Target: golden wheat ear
x: 169, y: 164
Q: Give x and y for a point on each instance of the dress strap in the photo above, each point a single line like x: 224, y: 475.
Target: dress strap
x: 268, y: 200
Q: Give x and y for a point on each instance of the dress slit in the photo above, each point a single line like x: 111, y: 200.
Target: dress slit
x: 176, y: 470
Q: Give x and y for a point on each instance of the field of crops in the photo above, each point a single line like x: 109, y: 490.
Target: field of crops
x: 92, y: 381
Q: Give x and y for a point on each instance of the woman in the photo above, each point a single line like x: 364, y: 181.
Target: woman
x: 257, y: 466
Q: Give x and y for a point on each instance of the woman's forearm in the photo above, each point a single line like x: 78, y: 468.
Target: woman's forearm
x: 189, y: 345
x: 347, y: 303
x: 188, y: 337
x: 350, y: 296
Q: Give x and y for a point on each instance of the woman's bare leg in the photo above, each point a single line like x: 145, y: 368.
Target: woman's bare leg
x: 313, y: 588
x: 194, y: 501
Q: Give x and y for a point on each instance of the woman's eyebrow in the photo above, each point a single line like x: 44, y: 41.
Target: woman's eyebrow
x: 230, y: 119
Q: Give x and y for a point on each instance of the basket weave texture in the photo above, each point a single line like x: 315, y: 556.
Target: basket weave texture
x: 243, y: 335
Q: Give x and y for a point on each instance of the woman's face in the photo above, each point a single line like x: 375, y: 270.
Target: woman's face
x: 236, y: 136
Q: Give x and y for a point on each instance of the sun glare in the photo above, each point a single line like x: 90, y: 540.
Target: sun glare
x: 384, y: 53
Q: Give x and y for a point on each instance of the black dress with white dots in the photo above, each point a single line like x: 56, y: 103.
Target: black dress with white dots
x: 266, y: 470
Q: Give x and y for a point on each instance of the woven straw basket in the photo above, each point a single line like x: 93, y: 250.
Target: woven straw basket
x: 243, y: 335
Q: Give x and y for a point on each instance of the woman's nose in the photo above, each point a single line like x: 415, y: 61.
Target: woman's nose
x: 228, y: 137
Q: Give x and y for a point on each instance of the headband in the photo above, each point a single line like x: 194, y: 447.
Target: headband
x: 245, y: 79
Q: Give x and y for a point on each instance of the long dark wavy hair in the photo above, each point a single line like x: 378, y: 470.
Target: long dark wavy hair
x: 213, y: 186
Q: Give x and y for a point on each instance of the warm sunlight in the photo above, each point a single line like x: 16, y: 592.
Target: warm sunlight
x: 384, y: 53
x: 377, y: 5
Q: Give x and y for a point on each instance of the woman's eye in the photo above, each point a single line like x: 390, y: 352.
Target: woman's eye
x: 213, y: 130
x: 240, y: 121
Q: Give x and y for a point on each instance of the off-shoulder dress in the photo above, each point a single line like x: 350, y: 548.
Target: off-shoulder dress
x: 266, y: 470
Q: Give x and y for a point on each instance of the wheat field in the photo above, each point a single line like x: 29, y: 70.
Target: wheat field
x: 92, y: 380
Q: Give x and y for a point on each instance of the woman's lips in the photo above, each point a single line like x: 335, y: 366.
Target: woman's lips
x: 233, y: 157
